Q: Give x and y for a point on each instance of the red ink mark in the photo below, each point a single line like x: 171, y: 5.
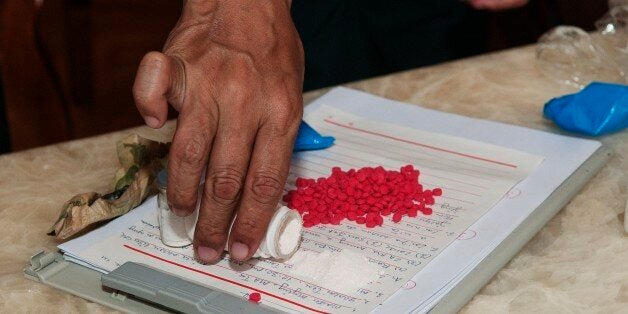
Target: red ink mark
x: 467, y: 234
x: 513, y: 193
x: 409, y: 285
x: 220, y: 278
x: 419, y: 144
x: 364, y: 196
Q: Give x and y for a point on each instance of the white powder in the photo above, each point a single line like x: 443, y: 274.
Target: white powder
x: 290, y: 236
x: 344, y: 271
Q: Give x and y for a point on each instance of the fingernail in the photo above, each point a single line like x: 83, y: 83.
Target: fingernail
x: 151, y: 122
x: 206, y: 254
x: 239, y: 251
x: 178, y: 212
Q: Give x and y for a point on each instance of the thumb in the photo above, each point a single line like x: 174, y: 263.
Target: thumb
x: 158, y: 81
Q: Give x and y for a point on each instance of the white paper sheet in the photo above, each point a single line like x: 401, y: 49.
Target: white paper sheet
x: 473, y: 175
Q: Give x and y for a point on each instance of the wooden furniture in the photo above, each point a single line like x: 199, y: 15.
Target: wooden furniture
x: 68, y: 65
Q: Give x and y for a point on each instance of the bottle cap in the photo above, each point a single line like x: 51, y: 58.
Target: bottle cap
x: 284, y: 234
x: 162, y: 178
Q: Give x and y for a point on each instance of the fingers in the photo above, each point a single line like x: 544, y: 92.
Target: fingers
x: 496, y: 5
x: 188, y: 157
x: 264, y: 184
x: 224, y: 179
x: 159, y: 79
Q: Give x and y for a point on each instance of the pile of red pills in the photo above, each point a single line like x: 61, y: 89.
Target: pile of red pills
x: 363, y: 196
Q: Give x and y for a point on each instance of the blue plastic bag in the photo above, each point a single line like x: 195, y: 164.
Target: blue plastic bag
x: 309, y: 139
x: 598, y: 109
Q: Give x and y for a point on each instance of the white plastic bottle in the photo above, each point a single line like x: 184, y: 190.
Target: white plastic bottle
x: 282, y: 238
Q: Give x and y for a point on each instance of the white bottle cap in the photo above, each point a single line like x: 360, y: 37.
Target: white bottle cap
x: 283, y: 235
x: 282, y: 238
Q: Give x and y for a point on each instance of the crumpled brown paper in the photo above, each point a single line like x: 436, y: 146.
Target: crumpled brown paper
x: 140, y: 161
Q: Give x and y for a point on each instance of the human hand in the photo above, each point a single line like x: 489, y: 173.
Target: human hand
x: 497, y: 5
x: 233, y: 69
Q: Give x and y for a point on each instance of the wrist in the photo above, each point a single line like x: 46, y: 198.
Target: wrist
x: 204, y: 6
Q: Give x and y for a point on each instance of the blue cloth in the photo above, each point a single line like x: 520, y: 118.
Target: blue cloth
x: 309, y: 139
x: 598, y: 109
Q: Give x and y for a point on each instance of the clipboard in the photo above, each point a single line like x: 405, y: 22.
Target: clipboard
x: 136, y: 288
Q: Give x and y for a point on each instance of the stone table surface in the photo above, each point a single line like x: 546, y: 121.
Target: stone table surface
x: 577, y: 263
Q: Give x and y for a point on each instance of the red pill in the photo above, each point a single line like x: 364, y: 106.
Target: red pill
x: 412, y: 212
x: 429, y: 201
x: 301, y: 183
x: 379, y: 220
x: 361, y: 176
x: 255, y: 297
x: 396, y: 217
x: 352, y: 216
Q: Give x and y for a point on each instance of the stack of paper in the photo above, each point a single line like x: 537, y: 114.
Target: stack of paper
x: 475, y: 162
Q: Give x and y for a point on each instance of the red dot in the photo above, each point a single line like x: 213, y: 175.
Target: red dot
x: 255, y: 297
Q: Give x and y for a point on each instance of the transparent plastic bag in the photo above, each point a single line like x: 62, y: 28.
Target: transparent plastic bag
x: 575, y: 57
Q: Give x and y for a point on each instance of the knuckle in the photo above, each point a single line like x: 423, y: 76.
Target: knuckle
x: 266, y: 186
x: 211, y: 231
x: 193, y: 150
x: 286, y: 120
x: 180, y: 197
x: 239, y: 83
x: 249, y: 227
x: 181, y: 200
x: 225, y: 184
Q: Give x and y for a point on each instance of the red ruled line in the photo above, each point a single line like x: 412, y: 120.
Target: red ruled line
x: 222, y: 278
x: 424, y: 183
x: 419, y: 144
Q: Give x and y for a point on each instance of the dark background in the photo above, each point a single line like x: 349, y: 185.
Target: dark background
x: 67, y: 66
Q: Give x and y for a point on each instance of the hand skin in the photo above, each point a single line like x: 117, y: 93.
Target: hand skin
x: 233, y: 69
x: 497, y: 5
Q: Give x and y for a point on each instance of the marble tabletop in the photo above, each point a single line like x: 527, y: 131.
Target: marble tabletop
x: 577, y: 263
